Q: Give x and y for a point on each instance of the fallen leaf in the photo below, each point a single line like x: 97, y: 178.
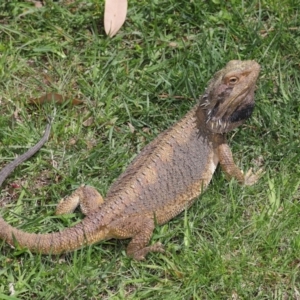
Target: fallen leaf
x: 53, y: 97
x: 163, y: 96
x: 54, y: 163
x: 47, y: 79
x: 72, y: 141
x: 37, y: 4
x: 15, y: 185
x: 173, y: 44
x: 16, y: 115
x: 131, y: 128
x: 114, y: 16
x: 88, y: 122
x: 11, y: 289
x: 146, y: 129
x: 91, y: 143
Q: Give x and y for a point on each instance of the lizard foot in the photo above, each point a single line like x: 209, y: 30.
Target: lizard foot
x: 250, y: 178
x: 86, y: 196
x: 141, y: 254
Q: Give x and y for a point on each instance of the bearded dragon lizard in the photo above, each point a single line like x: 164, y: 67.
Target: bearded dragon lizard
x: 163, y: 180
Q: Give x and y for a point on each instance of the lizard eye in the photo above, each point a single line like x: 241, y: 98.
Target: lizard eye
x: 233, y: 80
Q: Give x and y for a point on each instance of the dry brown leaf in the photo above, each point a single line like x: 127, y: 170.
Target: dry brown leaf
x: 57, y: 98
x: 47, y: 79
x: 163, y: 96
x: 131, y: 127
x: 146, y: 129
x: 88, y: 122
x: 91, y: 143
x: 72, y: 141
x: 173, y: 44
x: 54, y: 163
x: 37, y: 4
x: 16, y: 115
x: 114, y: 16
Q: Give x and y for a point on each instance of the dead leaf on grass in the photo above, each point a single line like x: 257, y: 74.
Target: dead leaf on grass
x: 37, y: 4
x: 53, y: 97
x: 72, y: 141
x: 88, y: 122
x: 16, y: 115
x: 131, y: 128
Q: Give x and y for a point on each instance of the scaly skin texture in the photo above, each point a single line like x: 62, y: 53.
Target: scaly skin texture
x: 164, y: 179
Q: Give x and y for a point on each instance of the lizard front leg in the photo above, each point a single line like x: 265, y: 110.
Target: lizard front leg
x: 86, y: 196
x: 140, y: 229
x: 232, y: 170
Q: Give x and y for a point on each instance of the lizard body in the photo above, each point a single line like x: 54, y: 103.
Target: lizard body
x: 164, y: 179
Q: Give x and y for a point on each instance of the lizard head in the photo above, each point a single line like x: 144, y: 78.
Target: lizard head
x: 229, y: 99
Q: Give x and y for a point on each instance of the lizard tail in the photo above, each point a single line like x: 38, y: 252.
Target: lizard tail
x: 84, y: 233
x: 11, y: 166
x: 54, y: 243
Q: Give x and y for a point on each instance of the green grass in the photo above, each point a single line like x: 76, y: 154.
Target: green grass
x: 235, y: 242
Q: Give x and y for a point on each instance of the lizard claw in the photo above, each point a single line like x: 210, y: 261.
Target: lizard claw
x: 141, y: 254
x: 250, y: 178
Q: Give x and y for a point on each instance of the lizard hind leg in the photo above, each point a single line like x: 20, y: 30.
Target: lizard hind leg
x: 140, y: 254
x: 86, y: 196
x: 140, y: 229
